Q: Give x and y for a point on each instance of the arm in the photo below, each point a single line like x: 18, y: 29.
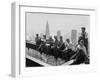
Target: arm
x: 85, y: 52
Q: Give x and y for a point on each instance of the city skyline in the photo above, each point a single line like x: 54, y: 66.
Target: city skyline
x: 73, y: 35
x: 37, y: 23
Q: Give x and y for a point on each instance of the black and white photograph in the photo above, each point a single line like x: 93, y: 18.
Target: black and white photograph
x: 56, y: 39
x: 53, y: 40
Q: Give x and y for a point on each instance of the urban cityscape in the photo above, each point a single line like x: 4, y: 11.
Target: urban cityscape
x: 53, y: 46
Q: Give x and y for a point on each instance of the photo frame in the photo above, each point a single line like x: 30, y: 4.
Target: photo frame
x: 19, y: 24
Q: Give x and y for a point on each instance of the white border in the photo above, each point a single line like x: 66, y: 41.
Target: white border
x: 21, y: 70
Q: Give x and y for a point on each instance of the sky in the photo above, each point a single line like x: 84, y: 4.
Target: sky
x: 36, y: 23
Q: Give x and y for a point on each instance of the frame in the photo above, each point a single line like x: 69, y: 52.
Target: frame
x: 18, y: 25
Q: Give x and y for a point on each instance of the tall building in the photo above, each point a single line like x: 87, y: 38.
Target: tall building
x: 47, y: 32
x: 74, y: 36
x: 58, y: 34
x: 41, y: 35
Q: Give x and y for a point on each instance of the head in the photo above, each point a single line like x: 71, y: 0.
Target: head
x: 81, y: 42
x: 68, y: 40
x: 61, y: 38
x: 83, y: 29
x: 37, y: 35
x: 44, y: 36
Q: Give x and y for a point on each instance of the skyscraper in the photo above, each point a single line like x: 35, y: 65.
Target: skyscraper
x: 47, y: 32
x: 58, y: 34
x: 74, y: 36
x: 41, y: 35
